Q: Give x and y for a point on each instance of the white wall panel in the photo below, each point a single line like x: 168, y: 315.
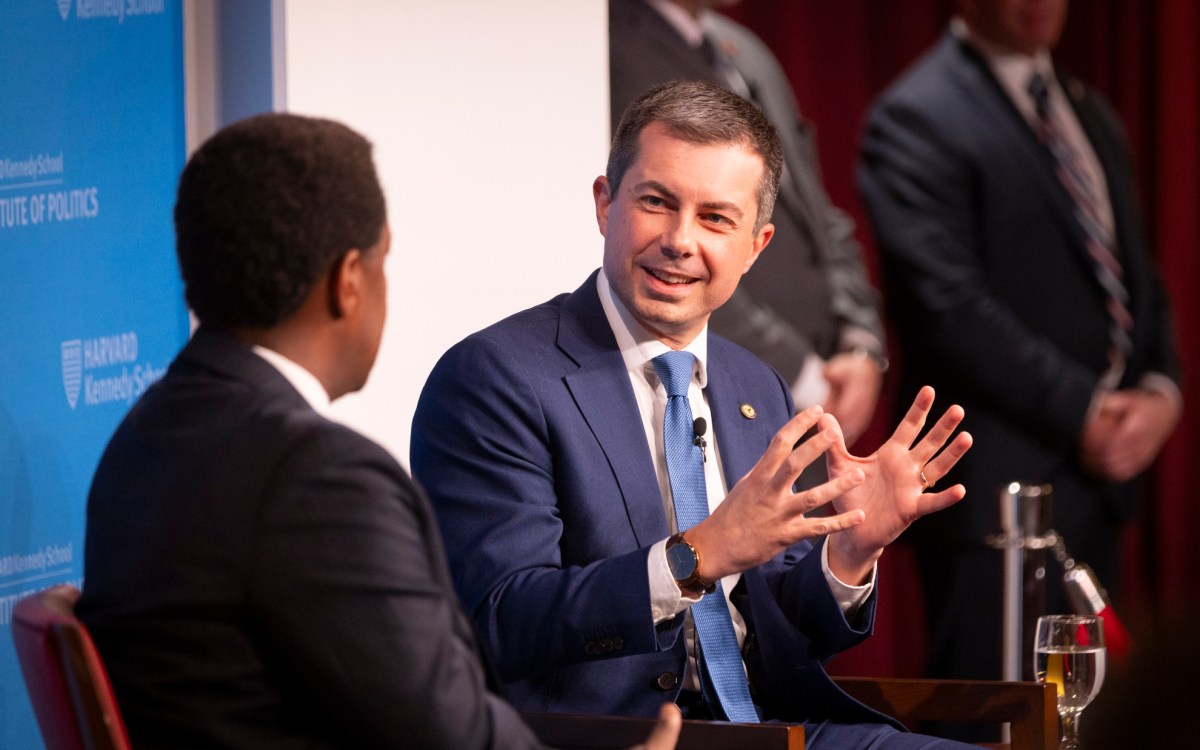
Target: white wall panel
x: 490, y: 121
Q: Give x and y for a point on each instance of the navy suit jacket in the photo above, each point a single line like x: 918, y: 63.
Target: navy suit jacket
x: 991, y: 290
x: 528, y: 440
x: 258, y: 576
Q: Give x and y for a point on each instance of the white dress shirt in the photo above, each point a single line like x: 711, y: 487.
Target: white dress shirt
x: 638, y: 348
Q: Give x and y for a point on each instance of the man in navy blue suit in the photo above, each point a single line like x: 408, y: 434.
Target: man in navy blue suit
x: 541, y: 443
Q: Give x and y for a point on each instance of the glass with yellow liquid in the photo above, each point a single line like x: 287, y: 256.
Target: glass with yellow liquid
x: 1069, y: 653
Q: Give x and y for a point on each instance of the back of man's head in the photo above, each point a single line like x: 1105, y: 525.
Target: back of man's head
x: 703, y: 114
x: 265, y: 207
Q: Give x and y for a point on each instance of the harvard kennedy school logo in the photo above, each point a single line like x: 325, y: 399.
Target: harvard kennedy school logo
x: 105, y: 370
x: 72, y: 368
x: 64, y: 7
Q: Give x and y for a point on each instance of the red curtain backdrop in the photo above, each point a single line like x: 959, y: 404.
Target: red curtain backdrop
x: 1145, y: 56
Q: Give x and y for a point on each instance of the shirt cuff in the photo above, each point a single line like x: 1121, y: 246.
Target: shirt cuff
x: 854, y: 337
x: 666, y: 600
x: 1159, y: 383
x: 860, y: 341
x: 810, y: 387
x: 848, y: 597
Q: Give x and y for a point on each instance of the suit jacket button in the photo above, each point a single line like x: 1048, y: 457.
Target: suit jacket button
x: 667, y: 681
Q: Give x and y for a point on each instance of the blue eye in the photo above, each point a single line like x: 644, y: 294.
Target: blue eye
x: 653, y: 200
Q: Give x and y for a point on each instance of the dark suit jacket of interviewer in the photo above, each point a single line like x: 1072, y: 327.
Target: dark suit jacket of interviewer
x: 258, y: 576
x: 528, y: 439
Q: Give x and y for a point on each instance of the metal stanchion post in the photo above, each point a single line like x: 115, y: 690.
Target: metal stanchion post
x: 1025, y: 534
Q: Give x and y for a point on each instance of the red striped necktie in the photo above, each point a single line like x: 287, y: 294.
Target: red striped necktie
x: 1101, y: 245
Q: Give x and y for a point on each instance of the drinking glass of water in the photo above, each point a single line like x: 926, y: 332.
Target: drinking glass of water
x: 1068, y: 653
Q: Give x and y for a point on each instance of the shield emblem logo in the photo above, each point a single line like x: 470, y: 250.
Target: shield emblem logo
x: 72, y: 369
x: 64, y: 7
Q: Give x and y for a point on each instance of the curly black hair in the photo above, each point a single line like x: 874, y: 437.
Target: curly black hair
x: 265, y: 207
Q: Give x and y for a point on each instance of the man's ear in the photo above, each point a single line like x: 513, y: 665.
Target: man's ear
x: 761, y: 240
x: 345, y: 284
x: 602, y: 195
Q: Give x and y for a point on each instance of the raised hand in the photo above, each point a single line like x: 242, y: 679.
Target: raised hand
x: 896, y: 478
x: 761, y: 516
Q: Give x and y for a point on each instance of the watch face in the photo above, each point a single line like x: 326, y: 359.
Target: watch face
x: 682, y: 561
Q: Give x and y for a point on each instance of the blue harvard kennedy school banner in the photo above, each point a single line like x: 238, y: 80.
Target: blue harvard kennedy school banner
x: 91, y: 306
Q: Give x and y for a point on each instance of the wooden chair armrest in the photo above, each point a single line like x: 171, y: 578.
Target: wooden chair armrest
x: 1031, y: 709
x: 573, y: 732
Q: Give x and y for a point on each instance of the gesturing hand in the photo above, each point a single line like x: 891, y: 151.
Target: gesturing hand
x: 761, y: 516
x: 893, y: 491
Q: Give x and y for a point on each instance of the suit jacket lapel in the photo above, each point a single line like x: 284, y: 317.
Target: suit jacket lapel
x: 796, y: 194
x: 740, y: 440
x: 688, y: 62
x: 980, y: 84
x: 602, y: 392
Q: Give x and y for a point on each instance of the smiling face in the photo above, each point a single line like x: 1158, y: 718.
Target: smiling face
x: 679, y: 231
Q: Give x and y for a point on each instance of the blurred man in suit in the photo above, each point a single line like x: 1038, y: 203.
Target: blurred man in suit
x: 1020, y: 284
x: 806, y: 308
x: 259, y: 576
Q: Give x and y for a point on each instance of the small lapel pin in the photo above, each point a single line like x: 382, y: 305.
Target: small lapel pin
x: 748, y: 411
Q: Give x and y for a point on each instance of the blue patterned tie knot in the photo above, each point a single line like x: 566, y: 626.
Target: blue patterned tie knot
x: 675, y: 371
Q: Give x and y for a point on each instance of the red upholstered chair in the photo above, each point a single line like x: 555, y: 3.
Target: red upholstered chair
x: 67, y: 684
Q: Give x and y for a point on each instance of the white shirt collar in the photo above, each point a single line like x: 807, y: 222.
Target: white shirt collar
x: 639, y: 346
x: 1012, y: 68
x: 305, y: 383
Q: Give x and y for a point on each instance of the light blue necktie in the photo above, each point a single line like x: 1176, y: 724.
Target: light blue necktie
x: 718, y: 650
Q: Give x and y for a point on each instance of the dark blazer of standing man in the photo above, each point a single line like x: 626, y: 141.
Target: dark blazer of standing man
x: 806, y: 308
x: 258, y: 576
x: 997, y: 301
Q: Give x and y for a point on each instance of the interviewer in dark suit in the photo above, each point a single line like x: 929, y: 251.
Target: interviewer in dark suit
x: 540, y: 442
x: 997, y: 301
x: 258, y: 576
